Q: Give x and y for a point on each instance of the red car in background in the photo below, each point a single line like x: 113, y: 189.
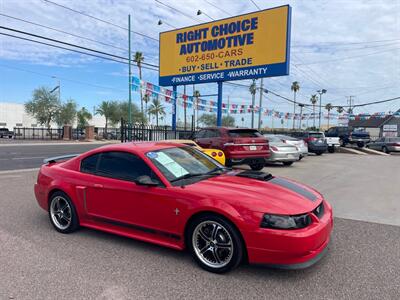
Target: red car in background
x: 176, y: 196
x: 240, y: 145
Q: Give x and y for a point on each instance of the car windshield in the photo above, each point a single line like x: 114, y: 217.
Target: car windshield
x: 287, y: 138
x: 273, y: 138
x: 317, y: 135
x: 180, y: 163
x: 244, y: 133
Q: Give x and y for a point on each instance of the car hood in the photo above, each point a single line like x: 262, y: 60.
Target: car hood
x: 276, y: 195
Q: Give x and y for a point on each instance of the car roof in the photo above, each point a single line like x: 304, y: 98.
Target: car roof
x: 142, y: 147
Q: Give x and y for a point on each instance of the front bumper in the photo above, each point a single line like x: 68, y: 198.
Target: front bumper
x: 290, y: 248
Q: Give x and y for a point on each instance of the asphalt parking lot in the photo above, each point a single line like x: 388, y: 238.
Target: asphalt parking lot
x: 363, y: 261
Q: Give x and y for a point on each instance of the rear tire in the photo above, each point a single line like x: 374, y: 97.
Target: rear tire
x: 215, y: 244
x: 62, y: 213
x: 331, y: 149
x: 287, y: 163
x: 386, y: 150
x: 318, y: 153
x: 257, y: 166
x: 360, y: 144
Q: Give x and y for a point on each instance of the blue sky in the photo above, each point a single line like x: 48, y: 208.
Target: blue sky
x: 347, y: 47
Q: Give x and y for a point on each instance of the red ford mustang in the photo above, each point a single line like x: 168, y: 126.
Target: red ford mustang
x: 176, y: 196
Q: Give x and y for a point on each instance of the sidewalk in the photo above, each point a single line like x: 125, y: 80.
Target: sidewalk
x: 12, y: 142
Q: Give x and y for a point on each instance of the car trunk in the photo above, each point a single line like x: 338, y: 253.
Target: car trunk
x: 246, y: 140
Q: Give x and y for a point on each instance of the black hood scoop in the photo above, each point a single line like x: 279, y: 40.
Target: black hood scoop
x: 258, y: 175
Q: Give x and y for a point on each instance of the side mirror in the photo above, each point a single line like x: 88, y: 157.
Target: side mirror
x: 146, y: 180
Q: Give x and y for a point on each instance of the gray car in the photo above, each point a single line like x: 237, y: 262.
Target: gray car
x: 281, y: 152
x: 386, y: 144
x: 300, y: 144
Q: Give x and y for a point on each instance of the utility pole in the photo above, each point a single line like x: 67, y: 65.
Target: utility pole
x: 320, y: 92
x: 260, y: 104
x: 253, y: 100
x: 184, y: 106
x: 301, y: 113
x: 130, y: 79
x: 350, y: 102
x: 228, y: 106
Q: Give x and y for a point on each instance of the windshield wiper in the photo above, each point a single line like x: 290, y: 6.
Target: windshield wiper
x: 186, y: 176
x: 215, y: 170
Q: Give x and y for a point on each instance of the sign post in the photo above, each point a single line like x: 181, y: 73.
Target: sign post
x: 174, y: 96
x: 249, y: 46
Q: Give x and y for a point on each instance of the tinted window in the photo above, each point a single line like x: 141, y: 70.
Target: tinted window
x: 200, y: 134
x: 244, y: 133
x: 394, y: 139
x: 317, y: 135
x: 88, y: 165
x: 122, y: 165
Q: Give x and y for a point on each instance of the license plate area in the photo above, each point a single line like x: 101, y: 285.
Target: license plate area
x: 253, y: 148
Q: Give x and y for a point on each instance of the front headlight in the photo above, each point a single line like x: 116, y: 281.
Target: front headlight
x: 285, y: 222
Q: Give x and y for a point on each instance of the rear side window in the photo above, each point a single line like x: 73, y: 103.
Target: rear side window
x: 122, y: 165
x: 88, y: 165
x: 244, y: 133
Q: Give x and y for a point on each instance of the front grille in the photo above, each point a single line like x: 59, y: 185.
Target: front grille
x: 319, y: 211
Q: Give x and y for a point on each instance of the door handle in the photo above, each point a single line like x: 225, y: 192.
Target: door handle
x: 98, y: 185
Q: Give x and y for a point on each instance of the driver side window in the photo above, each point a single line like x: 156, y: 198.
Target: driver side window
x: 119, y: 165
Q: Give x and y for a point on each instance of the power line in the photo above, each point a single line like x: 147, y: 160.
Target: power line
x: 100, y: 20
x: 71, y: 45
x: 64, y: 32
x: 69, y: 49
x: 346, y: 58
x: 62, y: 78
x: 179, y: 11
x: 215, y: 6
x: 255, y: 4
x: 344, y: 43
x: 348, y: 49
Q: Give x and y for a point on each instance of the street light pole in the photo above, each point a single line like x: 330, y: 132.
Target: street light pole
x: 260, y: 104
x: 320, y: 92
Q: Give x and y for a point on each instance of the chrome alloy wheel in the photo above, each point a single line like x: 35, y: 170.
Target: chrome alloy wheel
x: 60, y: 212
x: 212, y: 244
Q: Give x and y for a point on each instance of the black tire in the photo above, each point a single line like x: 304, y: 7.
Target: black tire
x: 318, y: 153
x: 360, y: 144
x: 68, y: 211
x: 287, y: 163
x: 331, y: 149
x: 228, y: 163
x: 301, y: 157
x: 342, y: 143
x: 257, y: 166
x: 194, y: 243
x: 385, y: 149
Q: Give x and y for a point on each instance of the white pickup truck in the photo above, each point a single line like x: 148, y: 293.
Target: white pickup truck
x: 333, y: 143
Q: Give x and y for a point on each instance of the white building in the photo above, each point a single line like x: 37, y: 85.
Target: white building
x: 14, y: 115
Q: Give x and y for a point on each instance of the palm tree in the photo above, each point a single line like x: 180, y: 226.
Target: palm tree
x: 340, y: 109
x: 108, y: 109
x: 138, y: 59
x: 196, y: 94
x: 253, y: 90
x: 294, y: 88
x: 314, y: 100
x: 146, y: 99
x: 156, y: 109
x: 83, y: 116
x: 328, y: 107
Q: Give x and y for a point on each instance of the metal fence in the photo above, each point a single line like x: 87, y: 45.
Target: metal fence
x: 32, y: 133
x: 152, y: 133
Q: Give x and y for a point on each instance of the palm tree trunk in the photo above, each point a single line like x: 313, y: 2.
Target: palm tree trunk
x: 184, y: 106
x: 328, y: 118
x: 294, y: 109
x: 141, y: 93
x: 157, y: 119
x: 313, y: 108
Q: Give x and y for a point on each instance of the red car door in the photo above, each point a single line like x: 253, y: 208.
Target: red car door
x: 113, y: 196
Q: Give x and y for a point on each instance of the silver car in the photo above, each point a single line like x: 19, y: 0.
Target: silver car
x: 281, y: 152
x: 300, y: 144
x: 386, y: 144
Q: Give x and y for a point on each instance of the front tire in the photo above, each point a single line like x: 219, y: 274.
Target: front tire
x: 386, y: 150
x: 215, y: 244
x: 287, y: 163
x: 318, y: 153
x: 331, y: 149
x: 62, y: 213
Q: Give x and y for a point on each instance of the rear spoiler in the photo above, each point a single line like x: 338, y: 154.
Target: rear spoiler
x: 52, y: 160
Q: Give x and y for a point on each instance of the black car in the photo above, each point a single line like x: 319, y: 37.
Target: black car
x: 315, y: 140
x: 348, y: 135
x: 4, y: 132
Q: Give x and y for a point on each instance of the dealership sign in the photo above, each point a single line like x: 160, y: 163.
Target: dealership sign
x: 390, y: 127
x: 253, y: 45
